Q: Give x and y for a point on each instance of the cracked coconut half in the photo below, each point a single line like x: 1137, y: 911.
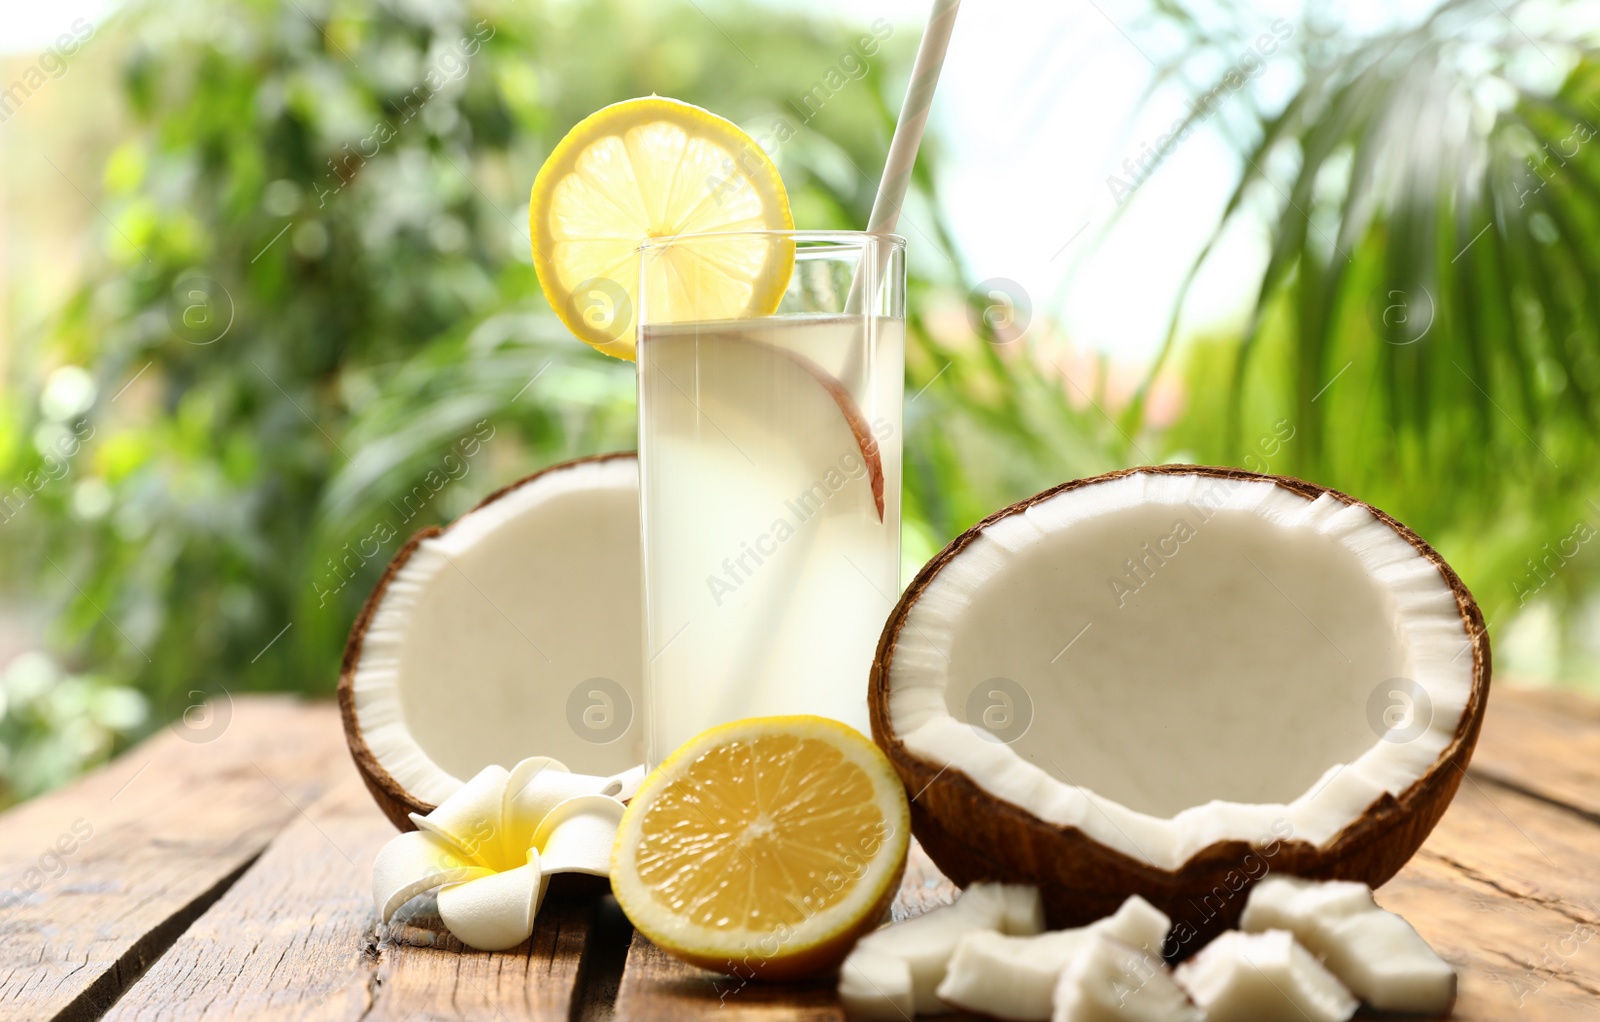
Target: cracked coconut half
x: 512, y: 632
x: 1170, y: 681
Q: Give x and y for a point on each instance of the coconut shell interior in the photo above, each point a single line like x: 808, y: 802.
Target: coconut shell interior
x: 392, y: 796
x: 973, y: 835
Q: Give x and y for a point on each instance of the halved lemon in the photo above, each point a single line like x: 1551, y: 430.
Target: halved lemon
x: 652, y: 168
x: 764, y: 848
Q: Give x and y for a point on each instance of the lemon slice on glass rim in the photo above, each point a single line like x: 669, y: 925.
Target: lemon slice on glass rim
x: 766, y: 847
x: 652, y: 168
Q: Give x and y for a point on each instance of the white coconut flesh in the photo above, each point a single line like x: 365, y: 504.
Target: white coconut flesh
x: 1263, y: 977
x: 1377, y: 954
x: 1009, y: 977
x: 909, y: 959
x: 1109, y: 981
x: 876, y: 986
x: 514, y: 633
x: 1194, y: 659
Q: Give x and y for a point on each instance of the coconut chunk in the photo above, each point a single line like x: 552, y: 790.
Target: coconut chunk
x: 1293, y: 904
x: 875, y: 986
x: 1019, y: 910
x: 1387, y: 964
x: 1108, y: 981
x: 926, y: 943
x: 1011, y: 977
x: 1138, y: 924
x: 1263, y: 977
x: 1374, y: 952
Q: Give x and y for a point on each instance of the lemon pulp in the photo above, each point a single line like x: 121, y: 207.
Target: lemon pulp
x: 766, y: 845
x: 653, y: 168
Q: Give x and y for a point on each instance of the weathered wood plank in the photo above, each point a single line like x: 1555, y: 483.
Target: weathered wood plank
x: 289, y: 940
x: 1545, y: 743
x: 101, y: 877
x: 656, y: 986
x: 1505, y: 888
x: 424, y: 973
x: 1507, y: 891
x: 297, y: 938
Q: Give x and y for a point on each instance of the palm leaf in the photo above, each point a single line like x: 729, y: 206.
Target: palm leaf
x: 1434, y: 250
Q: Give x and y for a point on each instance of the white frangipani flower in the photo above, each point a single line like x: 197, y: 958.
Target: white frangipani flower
x: 489, y: 848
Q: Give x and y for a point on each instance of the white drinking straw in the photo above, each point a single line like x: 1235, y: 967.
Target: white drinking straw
x: 913, y: 118
x: 896, y: 170
x: 886, y: 209
x: 907, y: 139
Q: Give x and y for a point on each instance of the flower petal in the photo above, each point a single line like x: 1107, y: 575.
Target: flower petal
x: 470, y: 818
x: 622, y: 786
x: 412, y: 864
x: 528, y: 769
x: 576, y: 836
x: 495, y: 912
x: 533, y: 794
x: 532, y: 775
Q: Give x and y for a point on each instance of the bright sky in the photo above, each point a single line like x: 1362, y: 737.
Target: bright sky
x: 1038, y: 102
x: 33, y: 26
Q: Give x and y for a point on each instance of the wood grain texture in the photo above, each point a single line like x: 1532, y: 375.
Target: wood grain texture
x: 297, y: 938
x: 424, y: 973
x: 1546, y: 744
x: 99, y: 878
x: 656, y: 986
x: 1508, y: 892
x: 1506, y: 888
x: 290, y: 939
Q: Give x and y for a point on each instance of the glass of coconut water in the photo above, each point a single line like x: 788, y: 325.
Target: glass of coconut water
x: 769, y: 461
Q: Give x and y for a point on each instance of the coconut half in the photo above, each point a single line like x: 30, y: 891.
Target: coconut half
x: 1171, y: 681
x: 513, y: 632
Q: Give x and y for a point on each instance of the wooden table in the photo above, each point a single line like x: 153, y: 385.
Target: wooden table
x: 222, y: 871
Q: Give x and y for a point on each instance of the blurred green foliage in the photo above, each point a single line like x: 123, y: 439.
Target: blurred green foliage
x: 311, y: 326
x: 1428, y: 321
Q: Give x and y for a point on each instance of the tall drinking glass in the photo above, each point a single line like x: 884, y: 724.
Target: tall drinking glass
x: 769, y: 472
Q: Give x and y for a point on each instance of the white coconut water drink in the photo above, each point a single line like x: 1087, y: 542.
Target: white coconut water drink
x: 769, y: 429
x: 770, y: 486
